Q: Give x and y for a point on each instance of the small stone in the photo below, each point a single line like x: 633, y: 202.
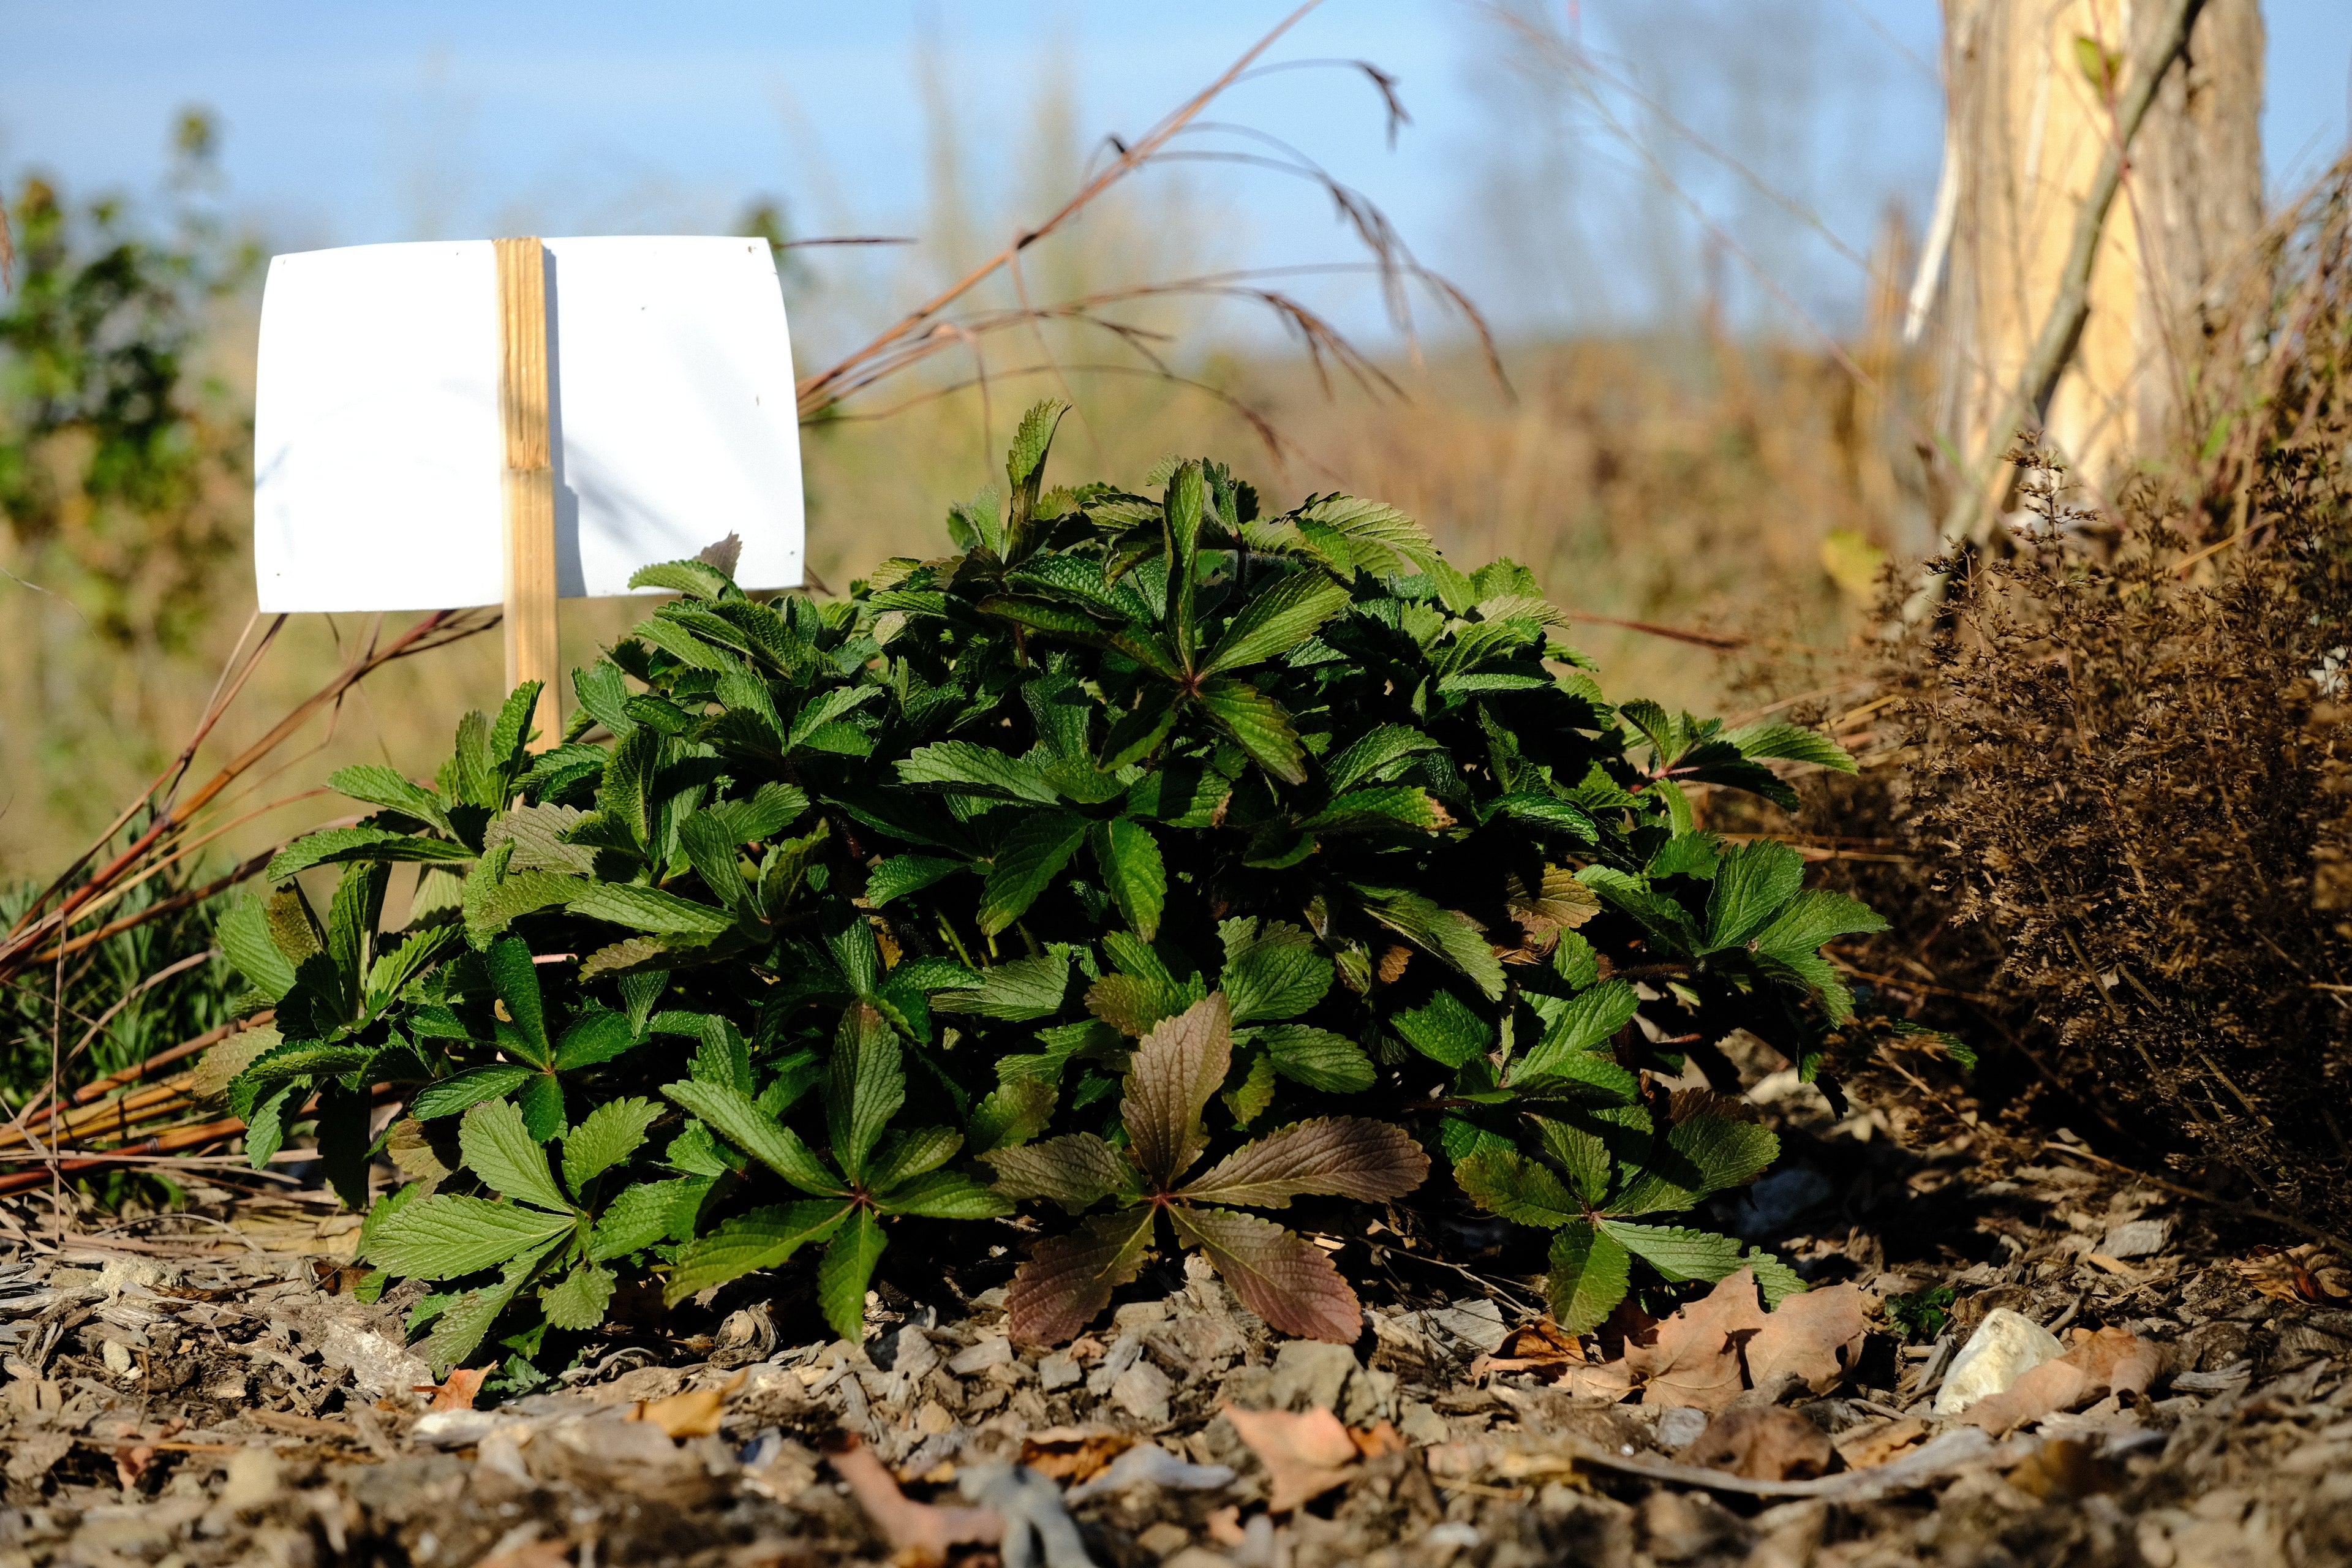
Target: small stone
x: 2140, y: 1239
x: 1311, y: 1373
x: 255, y: 1479
x: 1424, y: 1424
x: 2005, y: 1347
x: 933, y: 1419
x: 1198, y: 1557
x: 117, y: 1356
x: 1142, y: 1391
x: 1679, y: 1427
x: 1058, y: 1371
x: 1165, y: 1539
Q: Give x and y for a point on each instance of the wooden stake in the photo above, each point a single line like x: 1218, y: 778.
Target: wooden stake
x: 530, y: 487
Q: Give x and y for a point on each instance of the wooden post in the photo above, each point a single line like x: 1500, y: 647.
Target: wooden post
x: 530, y: 480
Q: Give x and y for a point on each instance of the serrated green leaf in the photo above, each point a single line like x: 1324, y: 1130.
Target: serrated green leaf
x: 1076, y: 1171
x: 459, y: 1330
x: 1506, y: 1183
x: 1752, y: 882
x: 750, y: 1242
x: 1676, y: 1253
x: 243, y: 938
x: 1276, y: 620
x: 393, y: 790
x: 961, y: 767
x: 1812, y: 919
x: 443, y: 1237
x: 1582, y: 1025
x: 1128, y: 858
x: 1444, y: 1030
x: 1374, y: 751
x: 1257, y: 724
x: 1040, y: 844
x: 468, y: 1090
x: 1318, y: 1058
x: 606, y: 1136
x: 1582, y: 1153
x: 1012, y: 1113
x: 904, y: 874
x: 337, y: 846
x: 737, y: 1117
x: 647, y: 909
x: 910, y: 1154
x: 696, y: 578
x: 516, y: 979
x: 497, y: 1148
x: 578, y: 1303
x: 1791, y: 742
x: 865, y: 1085
x: 1590, y: 1272
x: 944, y: 1194
x: 1269, y: 983
x: 1449, y: 934
x: 842, y: 1274
x: 1024, y: 989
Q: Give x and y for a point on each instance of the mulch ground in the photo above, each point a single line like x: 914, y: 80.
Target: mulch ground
x: 202, y: 1388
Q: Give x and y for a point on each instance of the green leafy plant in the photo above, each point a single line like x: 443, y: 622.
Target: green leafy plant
x: 967, y: 848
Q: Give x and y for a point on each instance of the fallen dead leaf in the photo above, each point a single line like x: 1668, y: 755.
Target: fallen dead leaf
x: 919, y: 1533
x: 2305, y: 1273
x: 1305, y: 1454
x: 1763, y: 1443
x: 549, y: 1553
x: 693, y: 1413
x: 2112, y: 1361
x: 458, y: 1392
x: 1542, y: 1347
x: 1074, y: 1453
x: 1379, y: 1438
x: 2064, y: 1467
x: 1867, y: 1447
x: 1817, y: 1334
x: 1695, y: 1360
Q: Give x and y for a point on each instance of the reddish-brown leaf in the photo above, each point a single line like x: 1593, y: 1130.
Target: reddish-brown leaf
x: 1176, y: 1069
x: 1284, y: 1279
x: 458, y: 1394
x: 1305, y: 1454
x: 1335, y: 1156
x: 1817, y: 1334
x: 1073, y: 1172
x: 1069, y: 1278
x: 1695, y: 1359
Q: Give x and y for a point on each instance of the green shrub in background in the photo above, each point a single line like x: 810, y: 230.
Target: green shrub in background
x: 1144, y: 827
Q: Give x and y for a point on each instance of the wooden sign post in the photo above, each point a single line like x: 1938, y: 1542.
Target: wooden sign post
x: 528, y: 481
x: 517, y: 421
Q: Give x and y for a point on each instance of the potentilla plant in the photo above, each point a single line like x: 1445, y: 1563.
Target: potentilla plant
x: 1148, y: 856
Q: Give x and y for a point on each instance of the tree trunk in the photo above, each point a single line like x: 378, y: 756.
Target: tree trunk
x: 2033, y: 88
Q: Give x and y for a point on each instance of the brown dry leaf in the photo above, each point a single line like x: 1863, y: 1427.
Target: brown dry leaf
x: 459, y: 1392
x: 553, y: 1552
x: 693, y: 1413
x: 1393, y: 963
x: 1304, y: 1455
x: 1867, y: 1447
x: 1612, y: 1381
x: 2305, y: 1273
x: 919, y: 1533
x: 2064, y: 1467
x: 1695, y: 1359
x: 1817, y: 1334
x: 1074, y: 1453
x: 1763, y: 1443
x: 2109, y: 1361
x: 1542, y: 1347
x: 1375, y: 1439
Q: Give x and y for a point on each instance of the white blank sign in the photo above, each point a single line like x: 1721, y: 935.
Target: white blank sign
x: 378, y: 449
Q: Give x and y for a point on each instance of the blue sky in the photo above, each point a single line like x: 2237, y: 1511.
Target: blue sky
x: 347, y: 123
